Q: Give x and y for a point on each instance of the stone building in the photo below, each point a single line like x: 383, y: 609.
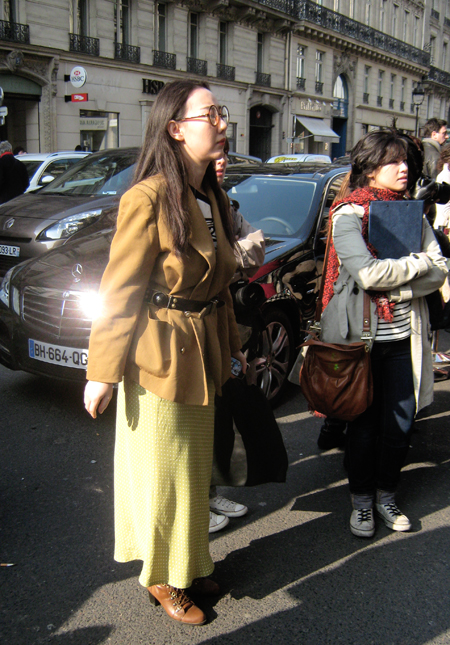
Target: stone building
x: 296, y: 75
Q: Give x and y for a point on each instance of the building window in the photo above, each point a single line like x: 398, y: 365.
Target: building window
x: 444, y: 56
x: 99, y: 130
x: 301, y: 51
x: 442, y: 108
x: 432, y: 49
x: 368, y: 12
x: 161, y: 27
x: 392, y: 92
x: 193, y: 35
x: 380, y: 88
x: 231, y: 135
x: 79, y: 17
x: 405, y: 27
x: 403, y: 90
x: 319, y: 67
x: 10, y: 11
x: 394, y: 20
x: 382, y: 14
x: 366, y: 79
x: 260, y: 53
x: 416, y: 31
x: 122, y: 22
x: 223, y: 42
x: 352, y: 8
x: 430, y: 106
x: 336, y: 6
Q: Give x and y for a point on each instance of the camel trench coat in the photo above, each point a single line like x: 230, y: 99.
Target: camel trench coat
x: 166, y: 351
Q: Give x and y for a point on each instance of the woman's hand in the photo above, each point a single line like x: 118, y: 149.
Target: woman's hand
x: 97, y: 397
x: 239, y: 356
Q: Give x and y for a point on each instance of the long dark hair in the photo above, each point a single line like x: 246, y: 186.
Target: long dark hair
x: 375, y: 149
x: 161, y: 153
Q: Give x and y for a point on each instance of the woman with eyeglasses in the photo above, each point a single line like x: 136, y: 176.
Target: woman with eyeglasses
x: 166, y: 336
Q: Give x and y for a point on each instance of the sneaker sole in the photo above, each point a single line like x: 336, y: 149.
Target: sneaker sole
x: 394, y: 527
x: 228, y: 513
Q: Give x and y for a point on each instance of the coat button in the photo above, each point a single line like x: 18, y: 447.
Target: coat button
x: 355, y: 290
x: 182, y: 350
x: 187, y: 314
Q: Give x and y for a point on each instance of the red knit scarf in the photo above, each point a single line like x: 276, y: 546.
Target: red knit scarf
x: 361, y: 197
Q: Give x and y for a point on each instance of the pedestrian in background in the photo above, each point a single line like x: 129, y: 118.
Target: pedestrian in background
x: 378, y: 440
x: 166, y: 336
x: 434, y: 137
x: 249, y: 251
x: 13, y: 174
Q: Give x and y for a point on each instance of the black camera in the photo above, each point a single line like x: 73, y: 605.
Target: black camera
x: 430, y: 191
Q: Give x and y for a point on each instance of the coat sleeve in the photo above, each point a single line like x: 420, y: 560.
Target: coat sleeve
x: 367, y: 271
x: 249, y: 249
x: 134, y: 249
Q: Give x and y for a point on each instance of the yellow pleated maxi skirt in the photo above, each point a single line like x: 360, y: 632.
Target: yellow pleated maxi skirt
x: 162, y: 473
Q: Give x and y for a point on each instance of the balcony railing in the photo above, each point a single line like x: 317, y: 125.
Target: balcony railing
x: 380, y: 101
x: 402, y: 106
x: 301, y: 83
x: 226, y: 72
x: 262, y: 79
x: 84, y: 45
x: 164, y: 59
x: 319, y: 87
x: 366, y: 98
x: 439, y: 76
x: 14, y: 32
x: 326, y: 18
x: 435, y: 14
x: 391, y: 104
x: 127, y: 52
x: 196, y: 66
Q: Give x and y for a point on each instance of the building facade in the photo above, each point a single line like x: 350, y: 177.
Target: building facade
x: 296, y: 75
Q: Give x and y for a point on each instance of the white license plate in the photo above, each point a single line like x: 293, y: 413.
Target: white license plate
x: 14, y: 251
x: 58, y: 355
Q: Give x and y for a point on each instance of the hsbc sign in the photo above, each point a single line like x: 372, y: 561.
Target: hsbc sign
x: 78, y: 76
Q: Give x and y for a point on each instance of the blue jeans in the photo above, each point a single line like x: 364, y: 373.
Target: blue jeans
x: 378, y: 440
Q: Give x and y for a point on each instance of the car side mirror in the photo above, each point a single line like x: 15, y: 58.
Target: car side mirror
x: 46, y: 180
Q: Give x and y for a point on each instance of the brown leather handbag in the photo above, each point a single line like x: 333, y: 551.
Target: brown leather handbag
x: 336, y: 379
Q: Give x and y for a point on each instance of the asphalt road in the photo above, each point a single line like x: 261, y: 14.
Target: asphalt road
x: 291, y: 571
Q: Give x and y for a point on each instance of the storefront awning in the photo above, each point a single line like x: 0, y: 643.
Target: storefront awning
x: 318, y: 129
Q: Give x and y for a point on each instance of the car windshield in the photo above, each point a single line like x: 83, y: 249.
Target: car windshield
x: 31, y: 166
x: 277, y: 205
x: 105, y: 174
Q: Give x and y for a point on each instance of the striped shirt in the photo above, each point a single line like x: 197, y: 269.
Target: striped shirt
x: 399, y: 328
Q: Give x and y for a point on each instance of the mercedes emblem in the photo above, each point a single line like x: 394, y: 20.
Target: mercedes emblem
x: 77, y: 272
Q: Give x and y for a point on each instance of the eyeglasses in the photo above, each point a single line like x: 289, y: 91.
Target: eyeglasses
x: 215, y: 113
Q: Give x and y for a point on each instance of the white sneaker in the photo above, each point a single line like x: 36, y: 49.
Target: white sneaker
x: 362, y: 522
x: 393, y: 517
x: 226, y: 507
x: 217, y: 522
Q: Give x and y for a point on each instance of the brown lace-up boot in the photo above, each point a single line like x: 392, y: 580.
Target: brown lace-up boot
x: 176, y: 604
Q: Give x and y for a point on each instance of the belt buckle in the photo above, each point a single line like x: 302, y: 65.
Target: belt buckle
x: 160, y: 299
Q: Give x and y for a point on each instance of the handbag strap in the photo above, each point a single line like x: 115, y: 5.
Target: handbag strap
x: 366, y: 335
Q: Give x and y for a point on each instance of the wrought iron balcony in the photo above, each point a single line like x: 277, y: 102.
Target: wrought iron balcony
x: 262, y: 79
x: 84, y: 45
x: 319, y: 87
x: 439, y: 76
x: 14, y: 32
x: 380, y: 101
x: 226, y: 72
x: 366, y: 98
x: 164, y: 59
x: 326, y: 18
x: 402, y: 106
x: 196, y: 66
x: 391, y: 104
x: 127, y: 52
x: 435, y: 14
x: 301, y: 83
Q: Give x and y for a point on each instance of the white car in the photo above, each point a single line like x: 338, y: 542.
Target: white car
x: 43, y: 168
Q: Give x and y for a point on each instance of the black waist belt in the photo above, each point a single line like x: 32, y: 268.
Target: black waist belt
x: 162, y: 300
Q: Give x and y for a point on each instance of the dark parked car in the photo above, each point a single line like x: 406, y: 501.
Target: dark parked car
x: 78, y: 201
x: 47, y: 304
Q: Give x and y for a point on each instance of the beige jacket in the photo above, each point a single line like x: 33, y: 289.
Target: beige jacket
x: 166, y: 351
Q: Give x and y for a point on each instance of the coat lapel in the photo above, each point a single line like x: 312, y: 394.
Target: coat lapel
x: 202, y: 242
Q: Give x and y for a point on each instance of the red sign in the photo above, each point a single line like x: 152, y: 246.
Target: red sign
x: 76, y: 98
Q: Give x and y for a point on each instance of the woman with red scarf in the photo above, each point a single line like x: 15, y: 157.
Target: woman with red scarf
x: 378, y: 440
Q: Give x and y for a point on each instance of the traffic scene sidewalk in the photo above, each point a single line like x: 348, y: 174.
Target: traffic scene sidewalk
x: 290, y: 570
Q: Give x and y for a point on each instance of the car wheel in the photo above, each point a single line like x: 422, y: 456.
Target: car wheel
x: 270, y: 367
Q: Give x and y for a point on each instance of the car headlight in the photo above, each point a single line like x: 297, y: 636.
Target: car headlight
x: 4, y: 289
x: 70, y: 225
